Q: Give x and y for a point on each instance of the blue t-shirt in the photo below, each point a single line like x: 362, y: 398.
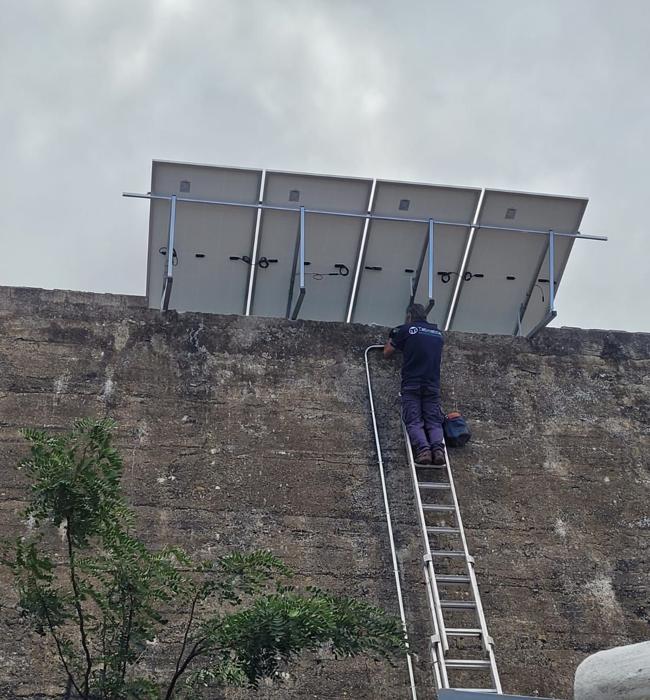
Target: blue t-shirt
x: 421, y: 343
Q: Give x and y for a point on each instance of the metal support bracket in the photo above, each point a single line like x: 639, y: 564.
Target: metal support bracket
x: 430, y: 266
x: 551, y: 272
x: 299, y: 259
x: 168, y: 278
x: 519, y: 318
x: 552, y: 313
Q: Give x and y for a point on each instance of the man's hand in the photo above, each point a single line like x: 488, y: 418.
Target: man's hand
x: 389, y: 349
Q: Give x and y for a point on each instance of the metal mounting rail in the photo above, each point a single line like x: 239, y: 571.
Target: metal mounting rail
x: 448, y: 566
x: 362, y: 215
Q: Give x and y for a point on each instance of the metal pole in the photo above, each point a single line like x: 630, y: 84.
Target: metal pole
x: 256, y: 241
x: 301, y: 260
x: 431, y: 228
x: 551, y: 271
x: 169, y: 274
x: 170, y: 240
x: 365, y: 215
x: 391, y: 538
x: 431, y: 266
x: 302, y: 247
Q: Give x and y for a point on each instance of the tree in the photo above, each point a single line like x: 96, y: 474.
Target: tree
x: 235, y: 620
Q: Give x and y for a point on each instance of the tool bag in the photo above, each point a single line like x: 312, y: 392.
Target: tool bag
x: 456, y: 430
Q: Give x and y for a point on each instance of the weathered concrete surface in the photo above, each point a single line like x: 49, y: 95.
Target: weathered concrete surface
x: 622, y: 673
x: 241, y: 432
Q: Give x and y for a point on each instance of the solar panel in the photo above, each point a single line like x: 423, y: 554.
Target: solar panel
x: 331, y: 245
x: 206, y: 236
x: 394, y: 263
x: 235, y: 254
x: 508, y: 270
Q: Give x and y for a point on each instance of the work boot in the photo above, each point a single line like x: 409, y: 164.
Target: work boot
x: 423, y: 456
x: 438, y: 457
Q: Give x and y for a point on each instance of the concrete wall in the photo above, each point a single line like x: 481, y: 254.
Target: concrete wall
x: 242, y: 432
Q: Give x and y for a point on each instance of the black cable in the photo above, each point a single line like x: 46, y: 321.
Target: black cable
x: 341, y: 271
x: 163, y: 251
x: 469, y: 275
x: 263, y: 262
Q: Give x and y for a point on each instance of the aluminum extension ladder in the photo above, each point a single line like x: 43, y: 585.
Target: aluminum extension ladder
x: 448, y: 567
x: 452, y: 589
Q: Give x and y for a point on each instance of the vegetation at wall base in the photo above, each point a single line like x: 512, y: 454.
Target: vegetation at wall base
x: 232, y: 621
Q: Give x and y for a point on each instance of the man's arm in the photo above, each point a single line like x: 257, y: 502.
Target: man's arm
x: 394, y: 342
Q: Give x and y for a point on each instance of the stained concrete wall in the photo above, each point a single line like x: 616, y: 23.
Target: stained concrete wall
x: 243, y: 432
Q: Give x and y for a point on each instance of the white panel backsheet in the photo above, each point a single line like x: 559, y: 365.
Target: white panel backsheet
x: 212, y: 283
x: 399, y: 248
x: 490, y: 304
x: 329, y: 241
x: 509, y: 270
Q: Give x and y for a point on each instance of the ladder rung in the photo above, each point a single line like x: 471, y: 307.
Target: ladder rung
x: 476, y: 690
x: 458, y: 604
x: 451, y: 578
x: 435, y: 485
x: 476, y: 664
x: 435, y: 508
x: 463, y: 632
x: 446, y: 553
x: 443, y: 530
x: 430, y: 466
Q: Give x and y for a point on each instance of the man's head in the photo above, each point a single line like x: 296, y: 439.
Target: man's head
x: 415, y: 313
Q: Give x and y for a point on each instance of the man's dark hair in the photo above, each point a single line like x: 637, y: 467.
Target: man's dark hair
x: 416, y: 312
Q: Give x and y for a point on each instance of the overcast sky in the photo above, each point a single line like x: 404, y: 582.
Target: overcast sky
x: 550, y: 96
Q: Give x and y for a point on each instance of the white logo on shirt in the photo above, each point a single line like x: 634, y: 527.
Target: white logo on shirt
x: 413, y: 330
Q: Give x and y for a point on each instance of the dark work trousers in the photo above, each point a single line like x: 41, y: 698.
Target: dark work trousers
x: 423, y: 418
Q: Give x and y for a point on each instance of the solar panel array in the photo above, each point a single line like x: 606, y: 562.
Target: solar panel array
x: 364, y: 258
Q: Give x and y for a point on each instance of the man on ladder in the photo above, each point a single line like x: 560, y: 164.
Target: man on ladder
x: 421, y: 344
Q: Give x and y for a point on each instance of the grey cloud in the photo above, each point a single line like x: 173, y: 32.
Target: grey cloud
x: 533, y: 96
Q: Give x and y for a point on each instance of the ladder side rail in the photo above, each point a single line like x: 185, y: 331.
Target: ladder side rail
x: 427, y: 548
x: 439, y: 637
x: 485, y: 636
x: 380, y: 461
x: 437, y: 654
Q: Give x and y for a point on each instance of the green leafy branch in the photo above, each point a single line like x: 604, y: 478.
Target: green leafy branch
x: 112, y: 596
